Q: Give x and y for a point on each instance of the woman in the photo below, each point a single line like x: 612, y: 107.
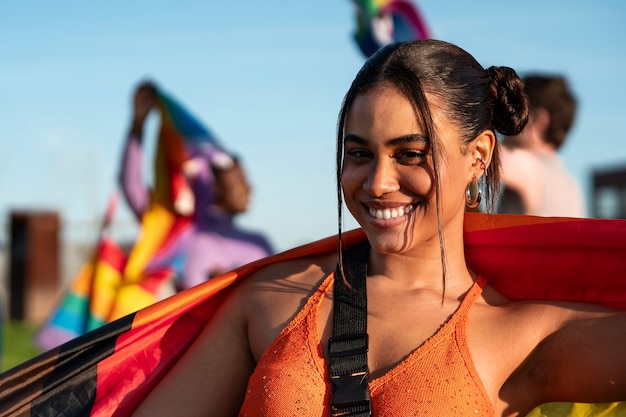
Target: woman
x: 416, y: 132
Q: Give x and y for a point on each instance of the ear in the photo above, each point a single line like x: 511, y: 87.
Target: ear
x: 481, y: 151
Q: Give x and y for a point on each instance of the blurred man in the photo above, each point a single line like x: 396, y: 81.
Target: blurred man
x: 535, y: 179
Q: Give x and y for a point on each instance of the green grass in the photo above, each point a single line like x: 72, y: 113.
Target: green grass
x: 17, y: 343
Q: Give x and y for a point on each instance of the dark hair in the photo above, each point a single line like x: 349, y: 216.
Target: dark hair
x: 552, y: 93
x: 475, y: 100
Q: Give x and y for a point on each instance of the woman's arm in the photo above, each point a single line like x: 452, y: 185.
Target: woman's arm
x: 211, y: 377
x: 131, y: 178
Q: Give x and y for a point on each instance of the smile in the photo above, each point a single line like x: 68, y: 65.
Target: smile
x: 390, y: 213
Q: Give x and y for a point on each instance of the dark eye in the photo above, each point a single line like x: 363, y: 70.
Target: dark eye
x: 358, y: 154
x: 410, y: 157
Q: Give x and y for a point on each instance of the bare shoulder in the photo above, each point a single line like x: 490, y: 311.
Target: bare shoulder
x: 536, y: 343
x: 509, y: 331
x: 274, y: 295
x: 500, y: 327
x: 292, y: 276
x: 518, y: 326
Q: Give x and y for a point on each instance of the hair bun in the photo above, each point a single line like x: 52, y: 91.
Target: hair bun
x: 510, y: 112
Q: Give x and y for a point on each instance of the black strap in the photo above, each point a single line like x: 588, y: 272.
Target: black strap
x: 347, y: 348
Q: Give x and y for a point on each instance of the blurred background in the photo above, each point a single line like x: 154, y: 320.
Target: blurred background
x: 267, y: 78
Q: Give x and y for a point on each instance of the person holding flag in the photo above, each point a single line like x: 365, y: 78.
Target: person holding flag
x: 199, y: 189
x: 188, y: 232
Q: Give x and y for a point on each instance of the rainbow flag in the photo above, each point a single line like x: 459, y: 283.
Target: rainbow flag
x: 381, y: 22
x: 80, y: 311
x: 112, y: 283
x: 163, y: 226
x: 108, y: 371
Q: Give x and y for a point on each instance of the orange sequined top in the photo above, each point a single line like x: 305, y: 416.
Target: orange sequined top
x: 437, y: 379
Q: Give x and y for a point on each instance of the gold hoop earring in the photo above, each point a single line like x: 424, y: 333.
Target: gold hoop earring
x: 473, y: 195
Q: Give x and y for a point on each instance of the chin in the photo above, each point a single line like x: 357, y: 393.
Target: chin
x: 390, y: 243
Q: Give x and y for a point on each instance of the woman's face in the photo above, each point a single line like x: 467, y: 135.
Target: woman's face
x: 388, y: 176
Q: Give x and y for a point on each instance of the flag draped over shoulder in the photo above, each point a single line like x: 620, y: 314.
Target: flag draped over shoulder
x: 112, y: 283
x: 108, y: 371
x: 381, y: 22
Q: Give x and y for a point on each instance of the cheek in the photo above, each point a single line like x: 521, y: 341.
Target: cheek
x: 350, y: 186
x: 422, y: 180
x: 452, y: 184
x: 418, y: 181
x: 352, y: 180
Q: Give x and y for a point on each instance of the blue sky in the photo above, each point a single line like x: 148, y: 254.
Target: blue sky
x: 267, y: 78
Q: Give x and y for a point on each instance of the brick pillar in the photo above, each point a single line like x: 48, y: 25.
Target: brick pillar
x: 34, y: 267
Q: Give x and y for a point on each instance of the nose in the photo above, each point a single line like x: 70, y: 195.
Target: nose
x: 382, y: 178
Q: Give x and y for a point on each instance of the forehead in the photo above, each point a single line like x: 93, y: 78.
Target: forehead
x: 381, y: 111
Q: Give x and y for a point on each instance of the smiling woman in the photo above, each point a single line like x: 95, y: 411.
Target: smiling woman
x: 427, y: 309
x: 417, y: 325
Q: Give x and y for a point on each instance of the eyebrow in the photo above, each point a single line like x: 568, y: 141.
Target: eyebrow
x: 411, y: 138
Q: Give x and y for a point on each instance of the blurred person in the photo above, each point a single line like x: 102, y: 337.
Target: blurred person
x: 534, y: 177
x: 218, y: 191
x: 187, y: 224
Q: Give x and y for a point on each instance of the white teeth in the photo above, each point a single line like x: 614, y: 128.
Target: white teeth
x: 387, y: 214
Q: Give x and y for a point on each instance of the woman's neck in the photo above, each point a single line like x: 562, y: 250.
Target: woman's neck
x: 422, y: 268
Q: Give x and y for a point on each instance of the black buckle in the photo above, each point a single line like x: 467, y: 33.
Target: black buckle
x: 350, y: 391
